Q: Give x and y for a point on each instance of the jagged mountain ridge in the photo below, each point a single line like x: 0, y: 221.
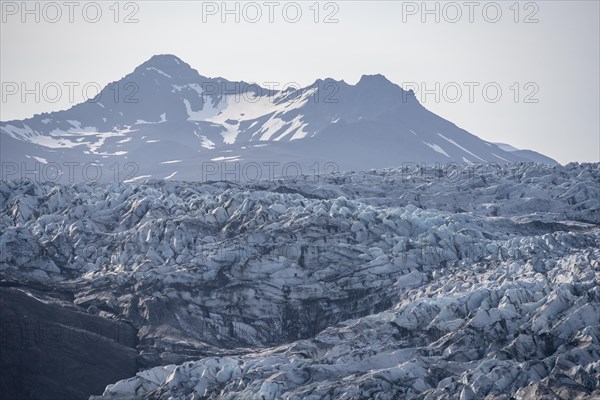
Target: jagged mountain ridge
x: 165, y: 111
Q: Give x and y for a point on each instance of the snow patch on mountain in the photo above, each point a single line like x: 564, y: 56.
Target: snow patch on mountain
x: 437, y: 148
x: 460, y: 147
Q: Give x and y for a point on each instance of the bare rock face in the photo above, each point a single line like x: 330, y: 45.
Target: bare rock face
x: 53, y: 349
x: 387, y: 284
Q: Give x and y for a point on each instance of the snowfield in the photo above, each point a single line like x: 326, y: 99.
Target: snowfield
x: 387, y: 284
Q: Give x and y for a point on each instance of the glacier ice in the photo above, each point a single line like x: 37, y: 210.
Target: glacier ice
x: 358, y: 285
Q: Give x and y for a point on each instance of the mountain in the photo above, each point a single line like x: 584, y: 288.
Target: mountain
x: 165, y: 111
x: 528, y: 154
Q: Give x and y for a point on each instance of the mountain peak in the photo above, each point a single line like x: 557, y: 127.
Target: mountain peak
x: 325, y: 81
x: 163, y: 59
x: 376, y: 79
x: 168, y: 66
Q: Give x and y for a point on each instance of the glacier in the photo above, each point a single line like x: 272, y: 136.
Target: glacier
x: 383, y: 284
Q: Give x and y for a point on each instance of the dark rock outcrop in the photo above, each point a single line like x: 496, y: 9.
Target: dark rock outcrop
x: 51, y: 349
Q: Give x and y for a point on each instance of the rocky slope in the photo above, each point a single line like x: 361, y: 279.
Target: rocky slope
x: 405, y: 283
x: 54, y: 350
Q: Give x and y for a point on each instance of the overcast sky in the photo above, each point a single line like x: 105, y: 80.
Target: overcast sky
x: 543, y: 56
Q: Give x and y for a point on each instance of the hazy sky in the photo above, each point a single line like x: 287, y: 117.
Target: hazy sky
x: 545, y: 51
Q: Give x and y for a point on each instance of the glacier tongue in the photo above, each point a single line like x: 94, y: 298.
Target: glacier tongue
x: 384, y: 284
